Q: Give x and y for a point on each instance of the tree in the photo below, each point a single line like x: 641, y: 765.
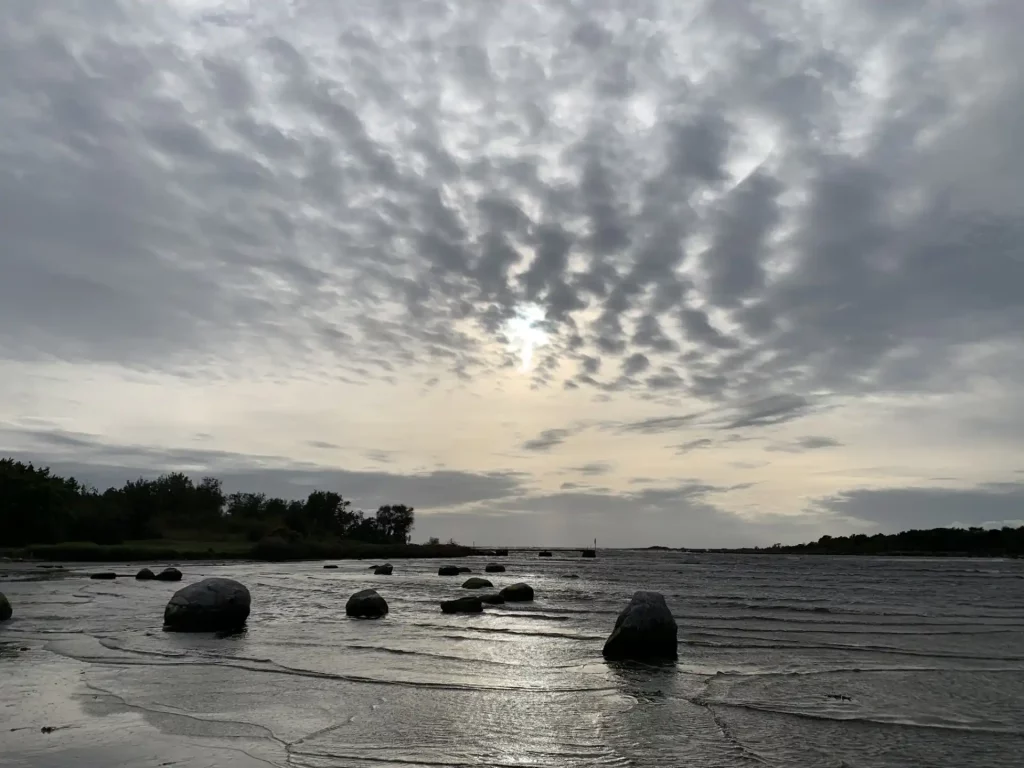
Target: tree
x: 395, y: 522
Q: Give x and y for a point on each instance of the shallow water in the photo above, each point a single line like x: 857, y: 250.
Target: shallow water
x: 784, y: 661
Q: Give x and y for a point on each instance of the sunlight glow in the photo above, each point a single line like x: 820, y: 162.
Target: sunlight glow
x: 524, y: 335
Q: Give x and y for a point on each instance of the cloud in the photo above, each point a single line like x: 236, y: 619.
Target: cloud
x: 547, y: 440
x: 101, y: 464
x: 803, y: 444
x: 753, y: 219
x: 693, y: 445
x: 897, y: 509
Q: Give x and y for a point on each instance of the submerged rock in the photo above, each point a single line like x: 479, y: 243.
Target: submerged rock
x: 5, y: 608
x: 448, y: 570
x: 476, y: 583
x: 169, y: 574
x: 644, y: 631
x: 383, y: 570
x: 210, y: 605
x: 462, y: 605
x: 465, y: 569
x: 145, y: 575
x: 331, y: 567
x: 544, y: 553
x: 517, y: 593
x: 366, y: 604
x: 494, y: 568
x: 103, y: 575
x: 492, y: 598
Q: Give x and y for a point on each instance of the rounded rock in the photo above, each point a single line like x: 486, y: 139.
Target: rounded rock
x: 5, y: 608
x: 644, y: 631
x: 494, y: 568
x: 517, y: 593
x: 476, y: 583
x: 448, y: 570
x: 210, y: 605
x: 366, y: 604
x: 462, y: 605
x: 145, y: 575
x: 383, y: 570
x: 169, y: 574
x: 492, y: 598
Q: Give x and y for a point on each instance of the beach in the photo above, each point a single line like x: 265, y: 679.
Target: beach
x: 783, y: 661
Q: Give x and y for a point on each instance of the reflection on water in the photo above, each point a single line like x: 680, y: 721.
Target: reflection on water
x: 783, y: 662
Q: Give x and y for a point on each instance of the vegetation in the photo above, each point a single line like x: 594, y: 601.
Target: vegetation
x: 171, y: 518
x: 970, y: 542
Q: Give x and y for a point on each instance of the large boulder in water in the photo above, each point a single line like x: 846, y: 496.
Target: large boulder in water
x: 517, y: 593
x: 383, y: 570
x: 169, y: 574
x: 5, y: 608
x: 145, y: 575
x: 366, y: 604
x: 448, y: 570
x: 462, y: 605
x: 476, y: 583
x: 210, y: 605
x: 494, y: 568
x: 644, y: 631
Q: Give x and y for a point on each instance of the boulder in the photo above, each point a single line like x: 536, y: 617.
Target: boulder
x: 366, y: 604
x: 331, y: 567
x: 544, y: 553
x: 210, y: 605
x: 169, y: 574
x: 465, y: 569
x: 494, y: 568
x: 492, y: 598
x: 448, y: 570
x: 383, y: 570
x: 462, y: 605
x: 145, y: 575
x: 103, y: 575
x: 5, y: 608
x: 517, y: 593
x: 476, y: 583
x: 644, y: 631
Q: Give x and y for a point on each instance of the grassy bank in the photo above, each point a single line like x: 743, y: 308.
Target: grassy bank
x: 273, y: 550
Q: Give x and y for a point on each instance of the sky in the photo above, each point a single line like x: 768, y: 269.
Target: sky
x: 651, y: 272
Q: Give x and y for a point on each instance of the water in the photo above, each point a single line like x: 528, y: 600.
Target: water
x: 784, y: 661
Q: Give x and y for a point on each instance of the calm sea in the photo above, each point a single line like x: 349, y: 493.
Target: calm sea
x: 783, y: 661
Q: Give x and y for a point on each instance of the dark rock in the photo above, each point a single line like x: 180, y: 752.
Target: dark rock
x: 145, y: 575
x: 210, y: 605
x: 331, y: 567
x: 366, y: 604
x: 589, y: 553
x: 644, y: 631
x: 5, y: 608
x: 572, y: 576
x: 103, y: 575
x: 383, y: 570
x: 476, y: 583
x: 544, y: 553
x: 492, y: 599
x: 462, y: 605
x: 448, y: 570
x: 169, y: 574
x: 517, y: 593
x: 494, y: 568
x: 464, y: 569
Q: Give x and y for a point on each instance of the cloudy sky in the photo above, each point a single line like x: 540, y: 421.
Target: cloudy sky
x: 656, y: 272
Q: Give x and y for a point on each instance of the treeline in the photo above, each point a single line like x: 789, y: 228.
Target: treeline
x: 39, y: 507
x: 974, y: 541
